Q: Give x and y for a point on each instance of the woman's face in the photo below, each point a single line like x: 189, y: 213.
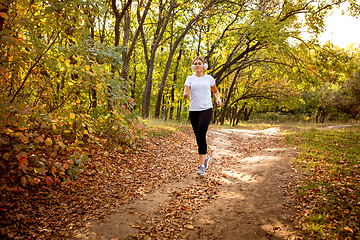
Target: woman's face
x: 198, y: 65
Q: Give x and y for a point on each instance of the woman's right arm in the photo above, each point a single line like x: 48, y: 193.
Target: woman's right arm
x: 186, y: 91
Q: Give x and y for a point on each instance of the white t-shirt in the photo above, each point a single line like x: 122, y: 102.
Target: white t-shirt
x: 200, y: 93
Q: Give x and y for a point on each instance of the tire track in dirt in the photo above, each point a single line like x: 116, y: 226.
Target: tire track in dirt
x: 243, y: 196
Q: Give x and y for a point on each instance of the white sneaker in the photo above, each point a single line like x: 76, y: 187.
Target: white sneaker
x: 207, y: 160
x: 201, y: 170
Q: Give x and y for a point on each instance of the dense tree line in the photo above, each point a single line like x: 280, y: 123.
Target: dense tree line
x: 131, y: 49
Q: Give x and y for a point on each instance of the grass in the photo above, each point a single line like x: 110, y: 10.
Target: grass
x: 247, y: 125
x: 330, y: 194
x: 159, y: 127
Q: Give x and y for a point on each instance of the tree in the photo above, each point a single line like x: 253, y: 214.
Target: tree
x: 161, y: 26
x: 55, y: 76
x: 173, y: 49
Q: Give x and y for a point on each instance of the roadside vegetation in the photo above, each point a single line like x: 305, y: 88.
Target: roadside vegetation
x: 328, y: 196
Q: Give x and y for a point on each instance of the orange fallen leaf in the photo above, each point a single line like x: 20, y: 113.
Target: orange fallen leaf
x: 346, y: 228
x: 135, y: 226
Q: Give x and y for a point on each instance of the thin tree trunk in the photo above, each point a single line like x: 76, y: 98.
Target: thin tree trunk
x: 228, y: 97
x: 174, y: 84
x: 126, y: 60
x: 118, y: 18
x: 179, y: 111
x: 247, y: 114
x: 125, y: 69
x: 240, y: 113
x: 151, y: 62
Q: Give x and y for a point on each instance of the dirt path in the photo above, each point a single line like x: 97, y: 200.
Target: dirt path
x: 244, y: 195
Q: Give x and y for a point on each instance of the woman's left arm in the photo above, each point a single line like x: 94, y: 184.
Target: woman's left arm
x: 217, y: 95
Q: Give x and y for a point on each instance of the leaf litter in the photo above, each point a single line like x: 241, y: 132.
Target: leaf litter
x: 114, y: 178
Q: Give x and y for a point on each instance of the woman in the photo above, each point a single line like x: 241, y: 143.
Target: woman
x: 200, y: 111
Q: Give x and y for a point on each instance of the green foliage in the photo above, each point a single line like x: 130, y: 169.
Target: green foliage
x: 277, y: 117
x: 333, y: 64
x: 73, y: 166
x: 347, y: 98
x: 318, y: 103
x: 330, y: 195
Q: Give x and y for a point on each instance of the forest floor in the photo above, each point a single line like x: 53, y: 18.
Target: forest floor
x: 245, y: 193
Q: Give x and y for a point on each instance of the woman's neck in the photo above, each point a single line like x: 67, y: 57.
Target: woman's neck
x: 199, y: 74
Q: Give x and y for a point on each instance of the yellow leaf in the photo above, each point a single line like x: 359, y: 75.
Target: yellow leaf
x: 86, y: 132
x: 6, y: 156
x: 78, y: 101
x: 72, y: 115
x: 48, y: 142
x: 87, y: 67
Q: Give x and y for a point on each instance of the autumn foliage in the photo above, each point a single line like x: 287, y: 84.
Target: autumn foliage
x: 58, y: 95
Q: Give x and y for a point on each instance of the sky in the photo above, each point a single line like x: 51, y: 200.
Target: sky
x: 341, y: 30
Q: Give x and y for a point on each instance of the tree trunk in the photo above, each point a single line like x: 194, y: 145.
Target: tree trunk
x: 247, y: 114
x: 233, y: 117
x: 91, y: 25
x: 147, y: 92
x: 179, y: 111
x: 228, y: 97
x: 133, y: 81
x: 125, y: 68
x: 118, y: 18
x: 240, y: 113
x: 160, y: 30
x: 126, y: 57
x: 164, y: 109
x: 172, y: 97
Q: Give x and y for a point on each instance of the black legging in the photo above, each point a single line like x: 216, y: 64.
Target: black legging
x: 200, y: 121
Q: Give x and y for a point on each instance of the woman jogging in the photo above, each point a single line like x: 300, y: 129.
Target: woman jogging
x: 200, y: 111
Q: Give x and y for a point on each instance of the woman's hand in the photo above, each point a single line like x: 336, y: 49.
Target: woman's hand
x: 186, y: 95
x: 219, y: 103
